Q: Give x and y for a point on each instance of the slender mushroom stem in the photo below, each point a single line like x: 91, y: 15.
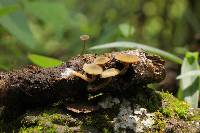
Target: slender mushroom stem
x: 93, y: 89
x: 84, y: 46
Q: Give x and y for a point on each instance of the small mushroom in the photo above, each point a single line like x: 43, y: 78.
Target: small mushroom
x: 70, y: 73
x: 82, y: 76
x: 109, y: 73
x: 84, y: 38
x: 126, y: 59
x: 101, y: 60
x: 92, y: 69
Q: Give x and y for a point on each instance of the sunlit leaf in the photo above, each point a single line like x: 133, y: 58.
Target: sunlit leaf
x: 44, y: 61
x: 17, y: 25
x: 134, y: 45
x: 7, y: 10
x: 189, y: 90
x: 189, y: 74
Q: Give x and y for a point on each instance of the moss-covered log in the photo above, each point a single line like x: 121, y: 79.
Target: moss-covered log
x: 33, y: 86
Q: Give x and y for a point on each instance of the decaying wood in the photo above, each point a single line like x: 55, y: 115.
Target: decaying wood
x: 34, y: 86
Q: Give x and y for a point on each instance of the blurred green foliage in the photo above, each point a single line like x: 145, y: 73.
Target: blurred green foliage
x: 53, y: 27
x: 7, y: 10
x: 190, y: 85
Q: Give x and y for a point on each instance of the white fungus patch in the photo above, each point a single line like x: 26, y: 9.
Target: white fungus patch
x: 68, y: 72
x: 140, y: 111
x: 144, y: 119
x: 125, y: 119
x: 108, y: 102
x: 138, y: 121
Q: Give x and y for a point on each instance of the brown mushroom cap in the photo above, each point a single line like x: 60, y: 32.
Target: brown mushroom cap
x: 127, y: 58
x: 92, y: 69
x: 84, y: 37
x: 110, y: 73
x: 101, y: 60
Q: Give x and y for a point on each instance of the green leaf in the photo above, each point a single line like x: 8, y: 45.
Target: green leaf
x: 17, y: 25
x: 44, y: 61
x: 7, y: 10
x: 134, y: 45
x: 189, y: 74
x: 190, y: 85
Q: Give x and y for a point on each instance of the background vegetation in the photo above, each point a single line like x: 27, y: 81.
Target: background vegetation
x: 56, y: 26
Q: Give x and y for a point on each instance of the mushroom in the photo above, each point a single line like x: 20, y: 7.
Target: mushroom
x: 84, y: 77
x: 84, y: 38
x: 126, y: 59
x: 70, y: 73
x: 109, y: 73
x: 101, y: 60
x: 92, y: 69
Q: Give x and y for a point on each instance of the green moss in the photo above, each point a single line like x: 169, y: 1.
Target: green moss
x: 101, y: 122
x: 164, y: 102
x: 55, y: 121
x: 171, y: 106
x: 195, y: 118
x: 194, y: 115
x: 49, y: 121
x: 37, y: 129
x: 159, y: 122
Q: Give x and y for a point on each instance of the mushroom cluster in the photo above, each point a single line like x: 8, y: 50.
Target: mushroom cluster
x: 96, y: 69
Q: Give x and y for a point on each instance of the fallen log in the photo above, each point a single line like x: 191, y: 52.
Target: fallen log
x: 33, y: 86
